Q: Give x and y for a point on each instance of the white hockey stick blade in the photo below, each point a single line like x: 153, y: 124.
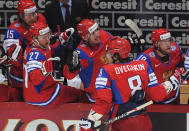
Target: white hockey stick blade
x: 134, y: 27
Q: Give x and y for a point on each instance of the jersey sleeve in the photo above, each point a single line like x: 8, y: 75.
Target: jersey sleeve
x: 144, y: 57
x: 102, y: 80
x: 155, y: 91
x: 152, y: 77
x: 12, y: 45
x: 104, y: 93
x: 12, y: 34
x: 34, y: 63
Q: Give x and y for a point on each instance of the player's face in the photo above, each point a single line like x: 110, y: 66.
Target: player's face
x: 30, y: 18
x: 108, y: 58
x: 44, y: 40
x: 93, y: 38
x: 164, y: 46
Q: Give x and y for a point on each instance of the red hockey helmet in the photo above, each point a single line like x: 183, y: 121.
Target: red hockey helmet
x: 39, y: 28
x: 86, y: 26
x: 160, y: 34
x: 26, y: 6
x: 120, y: 46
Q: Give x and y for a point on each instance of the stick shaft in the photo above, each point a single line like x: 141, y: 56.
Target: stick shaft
x: 134, y: 27
x: 125, y: 114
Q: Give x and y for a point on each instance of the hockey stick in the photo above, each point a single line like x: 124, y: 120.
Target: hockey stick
x: 135, y: 28
x: 124, y: 115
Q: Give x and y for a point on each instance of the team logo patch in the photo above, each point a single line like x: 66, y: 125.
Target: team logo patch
x: 17, y: 25
x: 173, y: 48
x: 152, y: 54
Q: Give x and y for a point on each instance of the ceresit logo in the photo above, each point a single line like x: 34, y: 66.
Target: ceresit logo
x: 116, y: 5
x: 8, y: 4
x: 154, y: 21
x: 33, y: 125
x: 158, y: 5
x: 179, y: 22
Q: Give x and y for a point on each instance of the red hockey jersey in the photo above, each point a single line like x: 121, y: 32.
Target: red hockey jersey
x: 117, y: 83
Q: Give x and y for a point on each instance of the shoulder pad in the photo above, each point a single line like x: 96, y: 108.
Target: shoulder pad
x: 12, y: 34
x: 35, y: 55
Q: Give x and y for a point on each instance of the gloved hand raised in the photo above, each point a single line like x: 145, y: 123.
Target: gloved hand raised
x: 65, y: 36
x: 49, y: 65
x: 136, y: 40
x: 73, y: 61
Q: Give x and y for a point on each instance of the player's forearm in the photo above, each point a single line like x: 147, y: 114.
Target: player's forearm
x: 157, y: 93
x: 103, y: 101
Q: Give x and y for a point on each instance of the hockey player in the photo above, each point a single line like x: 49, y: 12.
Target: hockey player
x: 122, y: 86
x: 40, y: 87
x: 91, y: 55
x: 17, y: 37
x: 164, y: 57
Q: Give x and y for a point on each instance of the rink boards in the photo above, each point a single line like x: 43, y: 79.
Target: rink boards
x: 20, y: 116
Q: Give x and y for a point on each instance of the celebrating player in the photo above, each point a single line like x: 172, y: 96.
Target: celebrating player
x: 40, y: 87
x: 164, y: 57
x: 122, y: 86
x: 91, y: 56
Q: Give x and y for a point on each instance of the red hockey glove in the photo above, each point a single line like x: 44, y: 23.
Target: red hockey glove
x: 48, y: 65
x: 178, y: 77
x: 64, y: 36
x: 5, y: 61
x: 86, y: 124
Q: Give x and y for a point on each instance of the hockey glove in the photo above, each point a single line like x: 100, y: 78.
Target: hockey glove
x: 54, y: 37
x: 138, y: 97
x: 186, y: 61
x: 136, y: 40
x: 5, y: 61
x: 73, y: 61
x: 65, y: 36
x: 49, y: 65
x: 176, y: 79
x: 181, y: 74
x: 86, y: 124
